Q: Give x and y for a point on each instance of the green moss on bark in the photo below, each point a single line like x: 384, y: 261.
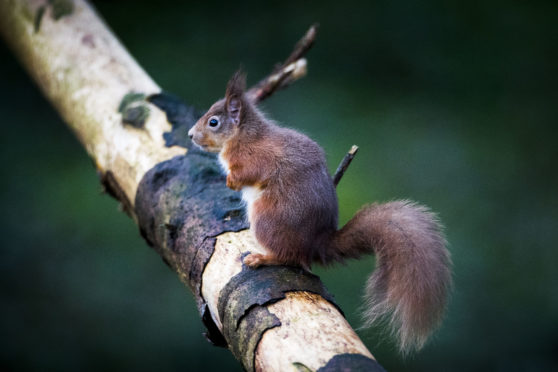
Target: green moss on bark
x: 133, y: 109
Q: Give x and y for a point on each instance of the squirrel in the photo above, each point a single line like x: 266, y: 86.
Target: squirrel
x: 292, y: 209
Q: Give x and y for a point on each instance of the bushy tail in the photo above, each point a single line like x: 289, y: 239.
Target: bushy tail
x: 410, y: 284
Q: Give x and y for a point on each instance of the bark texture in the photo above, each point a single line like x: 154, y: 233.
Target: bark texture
x: 274, y: 318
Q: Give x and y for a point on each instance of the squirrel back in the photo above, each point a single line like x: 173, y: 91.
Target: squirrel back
x: 293, y: 212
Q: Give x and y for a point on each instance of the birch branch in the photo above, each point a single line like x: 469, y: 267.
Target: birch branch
x: 273, y: 318
x: 285, y: 74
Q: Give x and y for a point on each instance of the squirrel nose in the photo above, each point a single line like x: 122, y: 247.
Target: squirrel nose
x: 190, y: 134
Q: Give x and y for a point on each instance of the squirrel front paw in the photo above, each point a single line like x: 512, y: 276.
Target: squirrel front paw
x: 231, y: 184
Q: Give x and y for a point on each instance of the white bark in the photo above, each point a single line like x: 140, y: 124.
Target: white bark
x: 85, y: 72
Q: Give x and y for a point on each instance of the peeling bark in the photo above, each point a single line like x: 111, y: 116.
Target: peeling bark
x: 273, y: 318
x: 306, y: 318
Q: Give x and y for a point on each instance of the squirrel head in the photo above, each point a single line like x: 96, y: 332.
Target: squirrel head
x: 223, y: 119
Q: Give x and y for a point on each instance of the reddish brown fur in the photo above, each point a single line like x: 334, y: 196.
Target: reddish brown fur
x: 294, y: 217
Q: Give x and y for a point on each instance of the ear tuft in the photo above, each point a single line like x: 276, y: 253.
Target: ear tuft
x: 234, y: 100
x: 237, y: 83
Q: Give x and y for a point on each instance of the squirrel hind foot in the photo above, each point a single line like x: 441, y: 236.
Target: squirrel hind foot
x: 255, y: 260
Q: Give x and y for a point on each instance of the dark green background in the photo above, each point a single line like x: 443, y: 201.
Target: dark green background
x: 453, y: 104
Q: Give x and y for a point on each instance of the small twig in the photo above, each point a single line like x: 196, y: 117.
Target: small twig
x: 291, y: 70
x: 349, y: 156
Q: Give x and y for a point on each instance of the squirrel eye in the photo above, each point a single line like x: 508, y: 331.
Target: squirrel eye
x: 213, y: 122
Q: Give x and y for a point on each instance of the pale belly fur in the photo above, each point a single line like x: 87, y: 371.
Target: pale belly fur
x: 249, y: 193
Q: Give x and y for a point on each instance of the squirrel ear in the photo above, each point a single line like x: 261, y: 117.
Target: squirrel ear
x: 234, y: 100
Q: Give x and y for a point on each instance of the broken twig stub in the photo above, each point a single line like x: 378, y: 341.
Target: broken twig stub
x: 349, y: 156
x: 286, y: 73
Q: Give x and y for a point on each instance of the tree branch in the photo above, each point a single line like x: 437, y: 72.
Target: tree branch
x: 288, y: 72
x: 177, y: 195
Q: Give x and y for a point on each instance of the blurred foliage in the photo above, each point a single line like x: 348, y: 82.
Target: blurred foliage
x: 453, y: 104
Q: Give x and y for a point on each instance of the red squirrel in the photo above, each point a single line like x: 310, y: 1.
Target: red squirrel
x: 292, y: 209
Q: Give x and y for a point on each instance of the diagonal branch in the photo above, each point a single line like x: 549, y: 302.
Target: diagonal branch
x: 288, y: 72
x: 176, y: 195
